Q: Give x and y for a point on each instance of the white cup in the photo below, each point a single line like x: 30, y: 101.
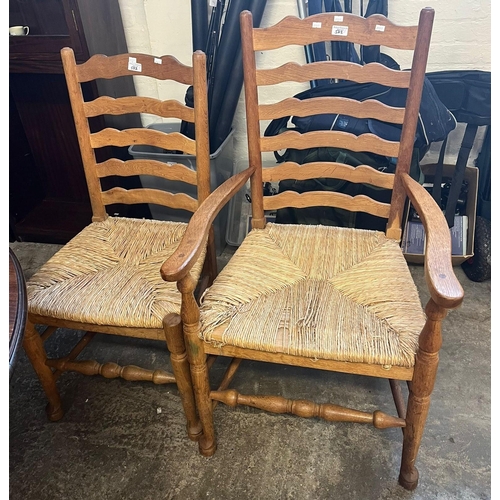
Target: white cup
x: 19, y: 30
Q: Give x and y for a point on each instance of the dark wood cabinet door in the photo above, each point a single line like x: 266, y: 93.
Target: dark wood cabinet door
x: 42, y: 103
x: 51, y: 203
x: 25, y: 185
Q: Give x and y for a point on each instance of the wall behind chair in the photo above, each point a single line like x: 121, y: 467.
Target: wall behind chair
x: 461, y: 40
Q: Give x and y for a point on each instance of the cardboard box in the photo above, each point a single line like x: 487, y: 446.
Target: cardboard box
x: 413, y: 241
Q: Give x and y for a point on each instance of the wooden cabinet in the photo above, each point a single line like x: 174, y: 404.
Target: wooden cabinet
x: 48, y: 198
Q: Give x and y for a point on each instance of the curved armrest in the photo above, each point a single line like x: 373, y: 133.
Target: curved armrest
x: 443, y: 285
x: 195, y: 237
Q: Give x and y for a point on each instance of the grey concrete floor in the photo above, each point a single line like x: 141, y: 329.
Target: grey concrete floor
x: 126, y: 440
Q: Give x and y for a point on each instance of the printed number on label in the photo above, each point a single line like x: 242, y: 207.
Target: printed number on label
x: 135, y: 67
x: 340, y: 30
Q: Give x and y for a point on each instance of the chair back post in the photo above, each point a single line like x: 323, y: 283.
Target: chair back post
x: 201, y: 125
x: 252, y: 114
x: 83, y: 134
x: 203, y: 150
x: 409, y: 129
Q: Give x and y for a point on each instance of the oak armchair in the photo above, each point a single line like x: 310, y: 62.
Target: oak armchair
x: 330, y: 298
x: 107, y: 279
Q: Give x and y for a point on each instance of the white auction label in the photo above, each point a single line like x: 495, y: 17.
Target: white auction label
x: 133, y: 65
x: 340, y: 30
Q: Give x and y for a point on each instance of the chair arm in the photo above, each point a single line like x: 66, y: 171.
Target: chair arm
x: 196, y: 235
x: 443, y: 285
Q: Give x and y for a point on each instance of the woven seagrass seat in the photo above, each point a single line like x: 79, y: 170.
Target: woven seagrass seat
x: 316, y: 291
x: 340, y: 299
x: 107, y: 278
x: 116, y: 262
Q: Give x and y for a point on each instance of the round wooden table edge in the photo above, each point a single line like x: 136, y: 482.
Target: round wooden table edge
x: 17, y: 308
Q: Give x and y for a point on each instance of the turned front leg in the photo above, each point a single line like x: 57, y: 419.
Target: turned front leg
x: 35, y: 351
x: 424, y: 375
x: 198, y: 363
x: 180, y: 365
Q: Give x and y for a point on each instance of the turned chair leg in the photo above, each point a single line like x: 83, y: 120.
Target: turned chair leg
x: 180, y: 366
x: 198, y: 364
x: 35, y: 351
x: 424, y: 375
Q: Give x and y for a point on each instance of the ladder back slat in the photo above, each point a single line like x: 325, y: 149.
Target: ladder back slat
x: 315, y: 170
x: 161, y: 68
x: 359, y: 203
x: 146, y: 195
x: 343, y: 70
x: 332, y: 105
x: 374, y: 30
x: 174, y: 172
x: 327, y: 138
x: 174, y: 141
x: 111, y: 106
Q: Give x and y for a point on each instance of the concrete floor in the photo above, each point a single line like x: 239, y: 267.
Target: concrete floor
x: 126, y: 440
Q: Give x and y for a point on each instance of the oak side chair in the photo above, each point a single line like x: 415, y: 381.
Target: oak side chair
x: 323, y: 297
x: 107, y: 279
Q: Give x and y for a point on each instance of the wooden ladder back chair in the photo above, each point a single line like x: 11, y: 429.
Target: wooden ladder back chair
x: 107, y: 279
x: 331, y: 298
